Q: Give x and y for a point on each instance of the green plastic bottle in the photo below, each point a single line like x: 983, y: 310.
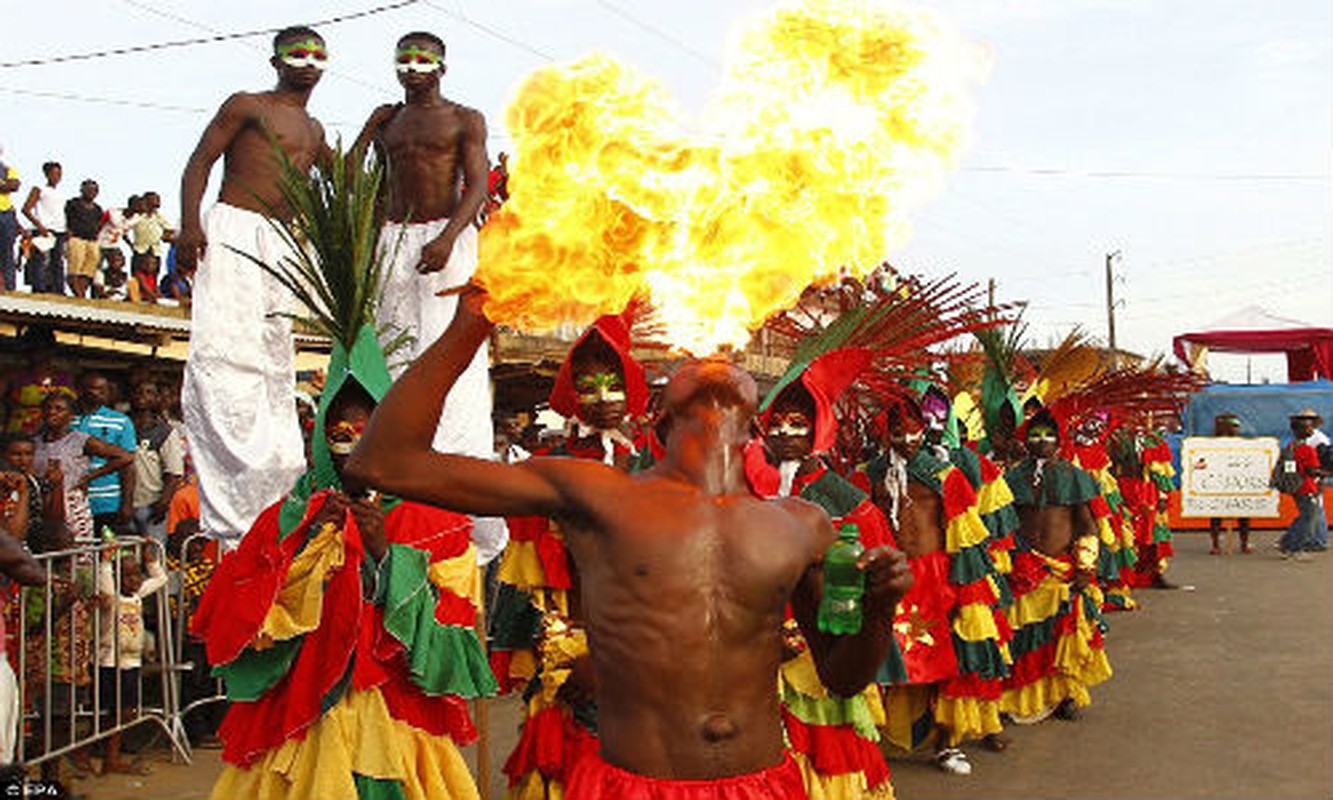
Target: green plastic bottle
x: 844, y: 583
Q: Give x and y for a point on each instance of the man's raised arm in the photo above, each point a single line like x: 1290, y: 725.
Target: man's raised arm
x: 395, y: 454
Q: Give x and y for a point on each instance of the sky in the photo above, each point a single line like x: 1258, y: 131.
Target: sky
x: 1192, y: 138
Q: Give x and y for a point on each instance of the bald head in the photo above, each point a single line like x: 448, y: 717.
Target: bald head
x: 713, y: 379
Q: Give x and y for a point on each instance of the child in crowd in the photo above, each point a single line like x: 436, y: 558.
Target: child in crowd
x: 117, y: 285
x: 46, y: 492
x: 122, y: 643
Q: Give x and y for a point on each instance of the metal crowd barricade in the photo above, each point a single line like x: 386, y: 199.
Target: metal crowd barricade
x: 184, y: 662
x: 60, y: 717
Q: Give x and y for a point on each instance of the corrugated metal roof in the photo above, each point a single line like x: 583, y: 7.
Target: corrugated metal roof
x: 137, y: 321
x: 150, y: 319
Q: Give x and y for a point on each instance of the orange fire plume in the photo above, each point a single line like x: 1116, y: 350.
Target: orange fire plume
x: 833, y: 120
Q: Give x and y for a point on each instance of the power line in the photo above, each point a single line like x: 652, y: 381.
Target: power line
x: 494, y: 33
x: 110, y: 101
x: 659, y: 33
x: 222, y: 37
x: 201, y: 26
x: 1127, y: 174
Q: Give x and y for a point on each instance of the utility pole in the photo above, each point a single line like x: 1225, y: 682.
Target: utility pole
x: 1110, y: 307
x: 990, y: 296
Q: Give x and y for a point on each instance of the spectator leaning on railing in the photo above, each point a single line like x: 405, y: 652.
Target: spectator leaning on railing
x: 111, y: 495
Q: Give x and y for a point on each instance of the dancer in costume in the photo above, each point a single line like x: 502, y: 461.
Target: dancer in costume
x: 684, y: 577
x: 1057, y: 648
x: 538, y: 640
x: 343, y: 625
x: 1087, y: 451
x: 344, y: 630
x: 881, y: 338
x: 240, y: 376
x: 833, y: 738
x: 1146, y: 477
x: 950, y: 626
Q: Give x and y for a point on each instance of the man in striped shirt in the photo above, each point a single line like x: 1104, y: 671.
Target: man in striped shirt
x: 110, y: 496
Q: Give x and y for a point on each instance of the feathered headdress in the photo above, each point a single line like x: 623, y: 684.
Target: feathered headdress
x: 1125, y: 394
x: 1001, y: 346
x: 873, y: 341
x: 1071, y: 365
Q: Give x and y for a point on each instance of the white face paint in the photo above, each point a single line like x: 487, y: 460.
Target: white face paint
x: 421, y: 67
x: 310, y: 60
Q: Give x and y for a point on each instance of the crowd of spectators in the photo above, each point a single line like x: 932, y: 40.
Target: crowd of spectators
x: 55, y: 244
x: 92, y: 457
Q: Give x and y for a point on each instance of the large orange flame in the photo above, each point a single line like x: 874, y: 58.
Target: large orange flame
x: 833, y: 120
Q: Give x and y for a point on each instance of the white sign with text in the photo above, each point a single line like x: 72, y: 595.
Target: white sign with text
x: 1226, y: 477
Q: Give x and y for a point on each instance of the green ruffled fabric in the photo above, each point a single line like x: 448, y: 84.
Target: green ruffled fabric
x: 1108, y: 568
x: 254, y: 672
x: 832, y: 711
x: 835, y: 494
x: 969, y: 462
x: 970, y: 565
x: 368, y: 788
x: 442, y: 659
x: 1001, y: 522
x: 982, y: 658
x: 1032, y: 636
x: 516, y: 622
x: 1062, y: 484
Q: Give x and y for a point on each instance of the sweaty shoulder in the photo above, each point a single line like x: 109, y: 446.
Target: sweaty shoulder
x: 811, y: 519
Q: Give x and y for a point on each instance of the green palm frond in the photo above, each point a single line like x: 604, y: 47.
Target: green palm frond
x: 331, y: 224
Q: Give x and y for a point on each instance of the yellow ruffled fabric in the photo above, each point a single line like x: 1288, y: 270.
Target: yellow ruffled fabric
x: 1078, y: 666
x: 535, y: 787
x: 975, y: 622
x: 301, y: 598
x: 559, y: 649
x: 967, y: 717
x: 356, y: 736
x: 838, y: 787
x: 904, y: 704
x: 520, y: 566
x: 801, y: 674
x: 993, y: 496
x: 459, y: 575
x: 965, y: 530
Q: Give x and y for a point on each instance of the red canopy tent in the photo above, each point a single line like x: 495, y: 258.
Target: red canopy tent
x: 1309, y: 349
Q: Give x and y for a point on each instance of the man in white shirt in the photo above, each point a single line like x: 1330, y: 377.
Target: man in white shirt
x: 45, y: 209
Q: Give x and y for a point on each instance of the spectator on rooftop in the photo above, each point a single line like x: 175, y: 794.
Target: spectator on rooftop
x: 83, y: 218
x: 9, y: 223
x: 149, y: 236
x: 45, y: 209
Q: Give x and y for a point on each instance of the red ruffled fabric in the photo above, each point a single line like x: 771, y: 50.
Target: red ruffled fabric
x: 959, y: 496
x: 550, y: 743
x: 250, y: 729
x: 594, y: 779
x: 836, y: 750
x: 550, y: 548
x: 245, y: 584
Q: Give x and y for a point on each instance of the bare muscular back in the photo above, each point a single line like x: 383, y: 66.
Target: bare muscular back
x: 250, y: 167
x: 684, y: 595
x: 425, y: 147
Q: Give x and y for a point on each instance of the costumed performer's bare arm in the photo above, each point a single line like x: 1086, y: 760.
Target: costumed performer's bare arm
x: 395, y: 454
